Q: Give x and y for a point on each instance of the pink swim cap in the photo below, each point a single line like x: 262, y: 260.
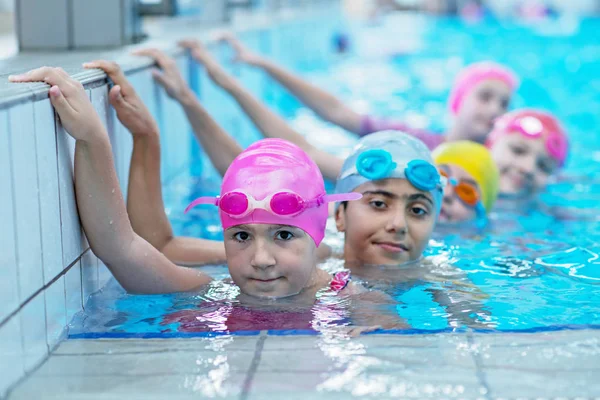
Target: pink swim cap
x: 274, y: 182
x: 472, y: 75
x: 533, y: 124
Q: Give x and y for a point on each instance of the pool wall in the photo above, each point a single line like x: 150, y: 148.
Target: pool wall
x: 47, y: 271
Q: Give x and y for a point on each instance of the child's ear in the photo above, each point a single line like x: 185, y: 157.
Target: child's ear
x: 340, y: 218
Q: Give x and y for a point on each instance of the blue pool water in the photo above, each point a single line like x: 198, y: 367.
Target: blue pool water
x: 537, y: 264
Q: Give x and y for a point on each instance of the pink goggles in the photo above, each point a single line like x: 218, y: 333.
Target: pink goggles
x: 533, y: 128
x: 285, y: 203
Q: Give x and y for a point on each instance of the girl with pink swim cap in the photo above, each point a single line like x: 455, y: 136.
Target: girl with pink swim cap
x: 528, y: 147
x: 273, y: 207
x: 480, y: 94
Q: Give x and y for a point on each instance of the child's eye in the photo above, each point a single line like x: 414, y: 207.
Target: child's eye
x: 418, y: 211
x: 378, y: 204
x: 485, y: 96
x: 546, y: 166
x: 241, y: 236
x: 284, y: 235
x: 518, y: 150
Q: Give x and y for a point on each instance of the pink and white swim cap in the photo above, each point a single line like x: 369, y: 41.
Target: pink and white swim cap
x: 475, y: 73
x: 274, y: 182
x: 533, y: 124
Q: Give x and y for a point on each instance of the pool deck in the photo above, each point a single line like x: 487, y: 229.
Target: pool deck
x: 561, y: 364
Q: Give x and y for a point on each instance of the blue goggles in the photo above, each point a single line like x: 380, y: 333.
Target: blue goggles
x: 377, y: 164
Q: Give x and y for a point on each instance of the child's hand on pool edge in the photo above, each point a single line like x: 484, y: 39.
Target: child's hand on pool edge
x: 214, y: 70
x: 242, y: 53
x: 71, y: 102
x: 167, y: 75
x: 131, y: 111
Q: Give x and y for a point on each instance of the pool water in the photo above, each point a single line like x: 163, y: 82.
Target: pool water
x: 535, y: 267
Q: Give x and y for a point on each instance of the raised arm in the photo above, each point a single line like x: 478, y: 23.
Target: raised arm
x: 327, y: 106
x: 270, y: 124
x: 145, y: 201
x: 137, y: 265
x: 220, y: 147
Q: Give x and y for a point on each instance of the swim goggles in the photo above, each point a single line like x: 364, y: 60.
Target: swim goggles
x: 285, y: 203
x: 376, y: 164
x: 531, y: 127
x: 466, y: 192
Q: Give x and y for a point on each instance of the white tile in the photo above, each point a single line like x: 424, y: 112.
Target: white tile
x: 33, y: 331
x: 49, y: 193
x: 547, y: 351
x: 11, y: 354
x: 123, y: 156
x: 104, y: 274
x: 56, y: 312
x: 199, y: 361
x: 147, y: 346
x: 27, y: 206
x: 117, y: 387
x: 71, y: 228
x: 523, y: 383
x: 76, y: 347
x: 176, y: 133
x: 73, y: 291
x: 89, y: 274
x: 9, y: 294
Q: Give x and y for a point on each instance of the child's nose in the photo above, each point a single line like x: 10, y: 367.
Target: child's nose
x: 262, y: 257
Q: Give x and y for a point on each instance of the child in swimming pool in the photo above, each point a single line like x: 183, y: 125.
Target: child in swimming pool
x: 480, y: 94
x: 472, y: 177
x: 271, y: 125
x: 529, y: 146
x: 270, y: 244
x: 170, y: 77
x: 145, y: 204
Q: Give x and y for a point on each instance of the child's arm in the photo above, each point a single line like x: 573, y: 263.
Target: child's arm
x: 373, y: 309
x: 220, y: 147
x: 145, y: 202
x: 461, y: 299
x: 321, y: 102
x: 269, y: 123
x: 136, y: 264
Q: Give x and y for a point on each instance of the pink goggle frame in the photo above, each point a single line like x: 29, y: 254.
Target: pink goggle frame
x: 285, y: 203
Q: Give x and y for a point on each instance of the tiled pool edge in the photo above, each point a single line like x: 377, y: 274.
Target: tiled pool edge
x: 77, y: 274
x: 302, y: 332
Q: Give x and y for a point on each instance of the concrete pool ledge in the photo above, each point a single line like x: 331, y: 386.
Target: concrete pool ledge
x: 559, y: 364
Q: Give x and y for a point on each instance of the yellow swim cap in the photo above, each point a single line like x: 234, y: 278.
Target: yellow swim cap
x: 477, y: 161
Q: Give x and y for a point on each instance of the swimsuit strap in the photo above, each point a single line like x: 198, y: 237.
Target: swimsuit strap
x: 340, y: 281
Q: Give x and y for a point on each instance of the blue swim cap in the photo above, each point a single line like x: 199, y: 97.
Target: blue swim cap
x: 391, y: 154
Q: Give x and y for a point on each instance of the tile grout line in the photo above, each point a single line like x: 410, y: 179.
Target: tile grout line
x: 479, y: 366
x: 28, y: 374
x: 40, y: 290
x: 253, y: 366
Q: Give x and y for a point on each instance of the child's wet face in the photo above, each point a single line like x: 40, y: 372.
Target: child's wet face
x: 270, y: 260
x: 481, y: 106
x: 524, y: 164
x: 391, y: 224
x: 453, y: 209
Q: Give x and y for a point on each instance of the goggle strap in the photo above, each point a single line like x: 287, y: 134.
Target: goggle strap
x: 202, y: 200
